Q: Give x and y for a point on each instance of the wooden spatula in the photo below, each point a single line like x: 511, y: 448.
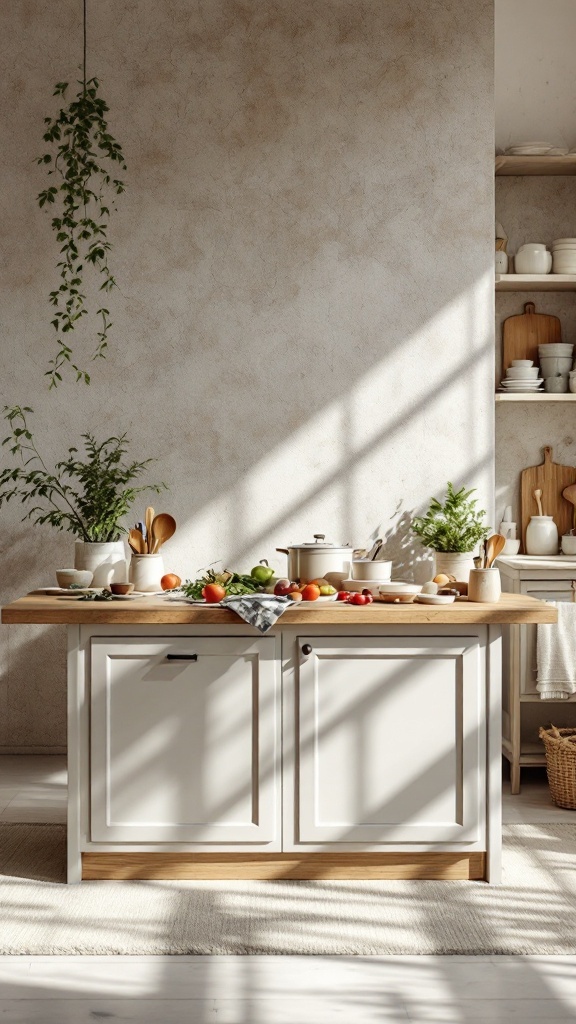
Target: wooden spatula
x: 494, y: 547
x: 136, y: 542
x: 570, y: 494
x: 163, y: 527
x: 149, y: 518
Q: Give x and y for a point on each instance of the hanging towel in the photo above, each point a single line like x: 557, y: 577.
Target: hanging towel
x: 556, y: 654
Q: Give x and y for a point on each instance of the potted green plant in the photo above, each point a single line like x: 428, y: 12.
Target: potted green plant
x: 86, y: 494
x: 452, y: 530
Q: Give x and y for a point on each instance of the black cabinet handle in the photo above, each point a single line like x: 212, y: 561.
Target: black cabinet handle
x: 181, y: 657
x: 306, y: 649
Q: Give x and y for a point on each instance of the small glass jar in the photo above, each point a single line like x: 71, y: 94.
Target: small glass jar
x: 541, y: 536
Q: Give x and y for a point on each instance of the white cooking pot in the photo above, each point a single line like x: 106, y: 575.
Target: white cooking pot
x: 318, y: 560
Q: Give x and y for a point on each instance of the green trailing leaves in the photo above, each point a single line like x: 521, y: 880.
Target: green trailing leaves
x: 83, y: 159
x: 457, y: 525
x: 86, y: 495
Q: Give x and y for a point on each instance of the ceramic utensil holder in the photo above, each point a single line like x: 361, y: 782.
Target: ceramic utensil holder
x: 484, y: 585
x: 146, y: 571
x: 541, y: 536
x: 454, y: 563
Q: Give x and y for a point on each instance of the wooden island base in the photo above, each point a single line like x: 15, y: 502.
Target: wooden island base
x: 351, y: 866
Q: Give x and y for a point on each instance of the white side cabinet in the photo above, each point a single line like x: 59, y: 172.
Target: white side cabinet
x: 184, y: 740
x: 523, y: 711
x: 390, y: 742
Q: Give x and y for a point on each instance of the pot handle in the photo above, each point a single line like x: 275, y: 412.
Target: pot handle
x: 283, y: 551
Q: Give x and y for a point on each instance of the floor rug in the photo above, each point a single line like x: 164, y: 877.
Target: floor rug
x: 532, y: 912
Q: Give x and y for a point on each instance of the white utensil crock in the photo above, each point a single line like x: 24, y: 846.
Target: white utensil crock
x: 146, y: 571
x: 484, y: 585
x: 541, y: 536
x: 105, y: 560
x: 454, y: 563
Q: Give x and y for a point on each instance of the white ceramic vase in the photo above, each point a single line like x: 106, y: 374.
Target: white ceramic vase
x: 454, y: 563
x: 146, y: 571
x: 541, y: 536
x: 106, y: 561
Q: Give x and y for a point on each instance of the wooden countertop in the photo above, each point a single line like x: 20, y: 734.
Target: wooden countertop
x: 43, y: 609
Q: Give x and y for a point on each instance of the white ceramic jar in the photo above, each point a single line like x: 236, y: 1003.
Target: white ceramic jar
x: 146, y: 571
x: 542, y: 536
x: 484, y: 585
x: 532, y: 259
x: 105, y: 560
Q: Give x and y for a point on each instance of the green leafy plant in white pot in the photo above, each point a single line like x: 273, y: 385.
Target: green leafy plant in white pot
x: 87, y: 494
x: 453, y: 531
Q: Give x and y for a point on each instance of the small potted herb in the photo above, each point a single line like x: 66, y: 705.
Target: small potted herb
x: 452, y: 530
x: 87, y: 494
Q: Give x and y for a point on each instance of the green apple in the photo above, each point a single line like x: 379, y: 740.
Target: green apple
x: 262, y: 572
x: 327, y: 590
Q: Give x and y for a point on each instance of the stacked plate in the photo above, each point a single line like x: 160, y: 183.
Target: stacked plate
x: 522, y: 376
x: 564, y: 256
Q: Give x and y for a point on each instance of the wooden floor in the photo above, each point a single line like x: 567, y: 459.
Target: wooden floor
x: 274, y: 990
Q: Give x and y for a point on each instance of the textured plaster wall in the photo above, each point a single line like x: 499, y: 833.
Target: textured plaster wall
x: 304, y: 326
x: 533, y: 209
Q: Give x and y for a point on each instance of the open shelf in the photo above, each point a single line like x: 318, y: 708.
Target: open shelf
x: 536, y: 164
x: 536, y: 282
x: 539, y: 396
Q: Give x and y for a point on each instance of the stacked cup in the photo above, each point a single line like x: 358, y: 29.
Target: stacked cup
x: 564, y: 256
x: 555, y: 364
x: 521, y: 376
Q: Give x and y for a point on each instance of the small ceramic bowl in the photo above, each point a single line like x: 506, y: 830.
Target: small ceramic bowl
x: 121, y: 588
x: 370, y: 569
x: 522, y: 373
x: 399, y: 588
x: 511, y: 547
x: 568, y: 544
x: 522, y: 362
x: 78, y: 577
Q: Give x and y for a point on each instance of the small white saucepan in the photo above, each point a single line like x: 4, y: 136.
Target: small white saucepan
x: 368, y: 569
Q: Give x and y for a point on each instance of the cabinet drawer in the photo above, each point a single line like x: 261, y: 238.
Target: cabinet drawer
x: 390, y: 744
x: 184, y: 740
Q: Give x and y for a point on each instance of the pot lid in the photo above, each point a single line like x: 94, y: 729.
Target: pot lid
x: 320, y: 544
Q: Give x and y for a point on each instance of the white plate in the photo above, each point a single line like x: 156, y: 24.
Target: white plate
x: 564, y: 241
x: 357, y: 586
x: 435, y: 598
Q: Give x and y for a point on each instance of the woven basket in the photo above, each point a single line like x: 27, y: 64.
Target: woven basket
x: 560, y: 747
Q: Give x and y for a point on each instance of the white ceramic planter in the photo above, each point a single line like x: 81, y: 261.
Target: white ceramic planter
x: 146, y: 571
x: 454, y: 563
x: 106, y: 561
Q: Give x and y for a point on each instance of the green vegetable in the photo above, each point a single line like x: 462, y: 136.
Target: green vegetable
x: 234, y: 583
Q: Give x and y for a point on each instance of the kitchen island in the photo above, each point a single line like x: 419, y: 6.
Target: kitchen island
x: 348, y: 742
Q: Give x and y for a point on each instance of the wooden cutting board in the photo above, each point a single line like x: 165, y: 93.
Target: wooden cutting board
x: 551, y: 478
x: 522, y: 334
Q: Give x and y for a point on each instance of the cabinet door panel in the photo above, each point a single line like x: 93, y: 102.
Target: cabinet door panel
x: 555, y: 590
x: 184, y: 740
x: 390, y: 740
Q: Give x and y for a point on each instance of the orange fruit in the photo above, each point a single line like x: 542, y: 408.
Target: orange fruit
x: 311, y: 592
x: 170, y: 581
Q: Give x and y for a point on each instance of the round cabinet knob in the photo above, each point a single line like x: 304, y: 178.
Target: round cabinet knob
x: 306, y: 649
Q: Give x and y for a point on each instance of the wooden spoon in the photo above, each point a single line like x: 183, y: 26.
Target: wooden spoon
x: 494, y: 547
x: 136, y: 542
x: 570, y: 494
x: 148, y: 517
x: 163, y: 527
x: 538, y: 496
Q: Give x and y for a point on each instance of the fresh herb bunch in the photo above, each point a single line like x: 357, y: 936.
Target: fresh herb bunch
x: 234, y: 584
x: 84, y: 158
x: 457, y: 525
x: 87, y: 496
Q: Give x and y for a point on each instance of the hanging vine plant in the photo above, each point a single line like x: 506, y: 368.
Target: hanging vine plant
x: 85, y: 158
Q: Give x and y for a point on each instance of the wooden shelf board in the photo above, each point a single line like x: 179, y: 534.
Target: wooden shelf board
x: 539, y: 396
x: 541, y: 165
x: 535, y: 282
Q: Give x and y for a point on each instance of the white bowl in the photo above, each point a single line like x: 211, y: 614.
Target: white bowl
x: 522, y: 372
x: 564, y: 241
x: 555, y: 349
x: 522, y: 362
x: 370, y: 569
x: 511, y: 547
x: 532, y: 246
x: 357, y: 586
x: 398, y: 587
x: 79, y: 577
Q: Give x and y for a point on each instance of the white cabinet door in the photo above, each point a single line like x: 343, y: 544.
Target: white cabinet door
x: 391, y: 740
x: 184, y: 740
x: 543, y: 590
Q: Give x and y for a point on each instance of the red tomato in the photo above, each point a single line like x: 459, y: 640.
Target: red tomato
x: 358, y: 599
x: 343, y: 595
x: 368, y: 595
x: 213, y: 593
